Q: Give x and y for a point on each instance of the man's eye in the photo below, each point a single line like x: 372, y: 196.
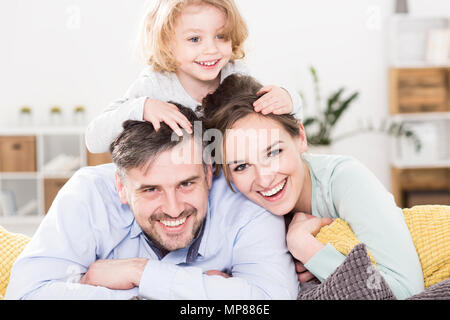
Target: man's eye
x: 241, y: 167
x: 186, y: 184
x: 150, y: 190
x: 194, y: 39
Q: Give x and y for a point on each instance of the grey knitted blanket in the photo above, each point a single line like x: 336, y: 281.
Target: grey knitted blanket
x: 357, y: 279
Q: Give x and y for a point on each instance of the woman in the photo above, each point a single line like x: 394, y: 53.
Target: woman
x: 265, y: 157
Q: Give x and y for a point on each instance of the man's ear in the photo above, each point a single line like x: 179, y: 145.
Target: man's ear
x: 121, y: 189
x: 302, y: 142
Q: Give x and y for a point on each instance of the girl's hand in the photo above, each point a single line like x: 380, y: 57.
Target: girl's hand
x: 274, y: 100
x: 300, y: 236
x: 156, y: 111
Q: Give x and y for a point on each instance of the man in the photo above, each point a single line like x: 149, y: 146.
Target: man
x: 154, y: 226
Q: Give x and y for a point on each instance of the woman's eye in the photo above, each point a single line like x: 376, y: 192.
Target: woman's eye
x: 241, y: 167
x: 220, y: 36
x: 274, y: 153
x: 194, y: 39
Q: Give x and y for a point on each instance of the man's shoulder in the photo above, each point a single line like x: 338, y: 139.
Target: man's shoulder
x: 91, y: 181
x: 102, y: 172
x: 91, y: 194
x: 232, y: 204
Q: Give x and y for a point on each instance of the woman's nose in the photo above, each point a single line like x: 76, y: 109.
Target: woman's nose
x: 264, y: 178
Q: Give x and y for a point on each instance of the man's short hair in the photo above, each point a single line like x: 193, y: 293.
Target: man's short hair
x: 138, y: 143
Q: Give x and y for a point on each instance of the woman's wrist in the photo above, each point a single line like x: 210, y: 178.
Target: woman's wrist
x: 304, y: 247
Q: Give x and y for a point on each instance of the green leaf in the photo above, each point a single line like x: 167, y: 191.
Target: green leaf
x: 344, y: 105
x: 309, y: 121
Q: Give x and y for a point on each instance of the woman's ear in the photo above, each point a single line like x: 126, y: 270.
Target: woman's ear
x: 302, y: 142
x: 121, y: 189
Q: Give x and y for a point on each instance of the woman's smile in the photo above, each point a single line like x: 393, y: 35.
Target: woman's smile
x: 275, y: 193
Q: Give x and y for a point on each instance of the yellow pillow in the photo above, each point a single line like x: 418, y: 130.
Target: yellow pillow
x: 429, y: 226
x: 11, y: 245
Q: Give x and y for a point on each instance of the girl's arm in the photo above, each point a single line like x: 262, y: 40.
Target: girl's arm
x: 362, y: 201
x: 106, y: 127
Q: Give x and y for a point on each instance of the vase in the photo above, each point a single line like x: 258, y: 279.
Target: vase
x: 25, y: 119
x: 56, y: 119
x: 79, y: 118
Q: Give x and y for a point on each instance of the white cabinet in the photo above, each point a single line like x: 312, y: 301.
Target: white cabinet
x: 34, y: 164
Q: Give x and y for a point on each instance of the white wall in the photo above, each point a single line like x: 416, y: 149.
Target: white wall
x: 51, y: 55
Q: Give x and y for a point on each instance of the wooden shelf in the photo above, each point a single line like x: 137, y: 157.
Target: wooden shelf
x: 419, y: 97
x: 35, y: 163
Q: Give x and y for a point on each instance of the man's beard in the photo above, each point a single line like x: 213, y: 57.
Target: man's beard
x: 171, y: 243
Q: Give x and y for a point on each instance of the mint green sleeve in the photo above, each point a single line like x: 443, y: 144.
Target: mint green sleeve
x: 362, y: 201
x: 324, y: 262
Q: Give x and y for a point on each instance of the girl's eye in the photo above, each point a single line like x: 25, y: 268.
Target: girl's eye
x: 274, y: 153
x: 194, y: 39
x: 241, y: 167
x: 220, y: 36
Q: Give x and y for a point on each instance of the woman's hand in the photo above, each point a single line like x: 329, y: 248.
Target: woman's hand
x: 156, y: 111
x: 274, y: 100
x: 300, y: 236
x: 302, y: 273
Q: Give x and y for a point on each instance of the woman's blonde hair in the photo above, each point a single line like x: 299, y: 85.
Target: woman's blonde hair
x: 158, y: 29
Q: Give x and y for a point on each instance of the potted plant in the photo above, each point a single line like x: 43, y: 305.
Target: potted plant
x: 319, y: 128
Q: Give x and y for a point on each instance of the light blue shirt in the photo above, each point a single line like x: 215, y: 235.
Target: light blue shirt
x: 343, y: 188
x: 87, y: 222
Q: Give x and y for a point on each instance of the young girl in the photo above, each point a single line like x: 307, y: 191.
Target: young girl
x: 190, y: 46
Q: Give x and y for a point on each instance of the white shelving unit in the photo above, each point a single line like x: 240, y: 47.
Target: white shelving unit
x: 59, y: 152
x: 433, y: 129
x: 419, y: 98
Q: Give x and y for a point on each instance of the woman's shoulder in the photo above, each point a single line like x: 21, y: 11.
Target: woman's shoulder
x: 329, y: 162
x: 339, y: 170
x: 329, y: 168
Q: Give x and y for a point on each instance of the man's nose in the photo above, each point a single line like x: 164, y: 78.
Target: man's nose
x: 173, y: 206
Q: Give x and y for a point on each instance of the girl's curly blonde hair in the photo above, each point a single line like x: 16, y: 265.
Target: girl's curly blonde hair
x: 157, y: 30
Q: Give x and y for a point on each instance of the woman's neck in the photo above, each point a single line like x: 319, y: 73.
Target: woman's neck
x: 198, y: 89
x: 304, y: 200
